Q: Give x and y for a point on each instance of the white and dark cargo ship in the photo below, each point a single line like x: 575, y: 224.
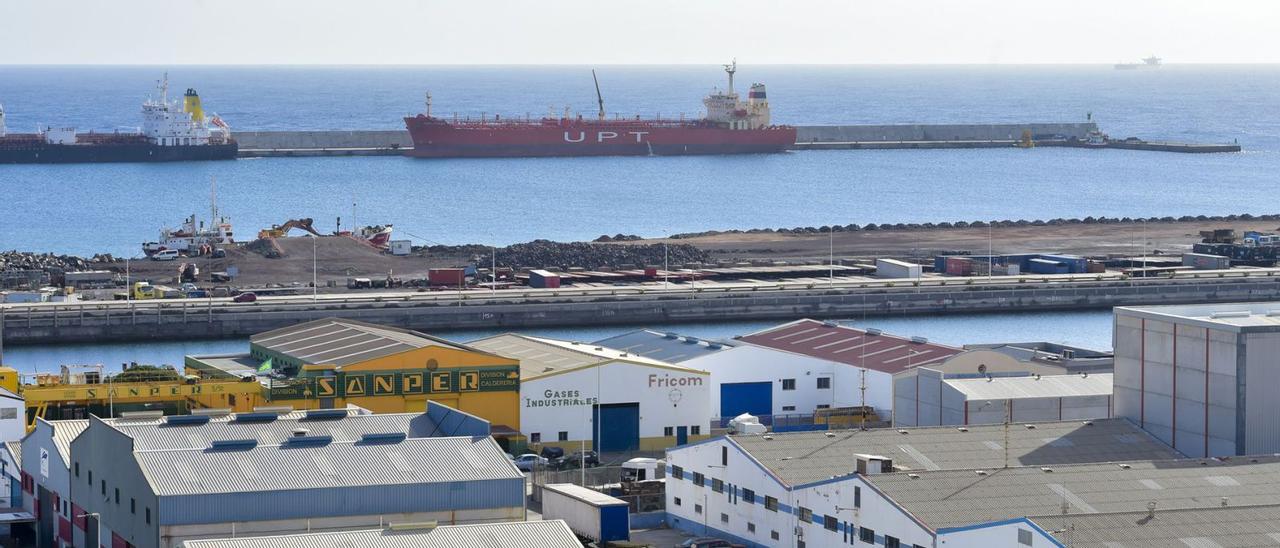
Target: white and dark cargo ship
x: 171, y: 131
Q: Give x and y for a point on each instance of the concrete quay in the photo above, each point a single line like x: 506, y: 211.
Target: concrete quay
x: 180, y: 319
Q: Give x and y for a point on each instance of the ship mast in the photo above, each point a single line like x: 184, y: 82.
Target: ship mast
x: 731, y: 68
x: 428, y: 104
x: 599, y: 97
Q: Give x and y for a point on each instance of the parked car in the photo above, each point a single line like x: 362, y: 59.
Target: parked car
x: 245, y: 298
x: 165, y: 255
x: 551, y: 453
x: 708, y: 542
x: 578, y: 459
x: 527, y: 461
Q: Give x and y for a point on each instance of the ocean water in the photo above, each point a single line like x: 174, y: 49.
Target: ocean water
x: 85, y: 209
x: 1090, y: 329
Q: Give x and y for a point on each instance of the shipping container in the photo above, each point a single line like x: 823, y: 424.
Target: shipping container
x: 400, y: 248
x: 452, y: 277
x: 590, y: 514
x: 1074, y: 264
x: 542, y: 279
x: 1045, y: 266
x: 1202, y: 261
x: 891, y: 268
x: 959, y: 266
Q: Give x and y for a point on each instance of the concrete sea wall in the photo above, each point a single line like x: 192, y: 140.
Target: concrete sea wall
x: 212, y: 319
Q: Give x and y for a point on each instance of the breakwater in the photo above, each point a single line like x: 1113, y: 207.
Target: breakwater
x: 395, y: 142
x: 519, y: 309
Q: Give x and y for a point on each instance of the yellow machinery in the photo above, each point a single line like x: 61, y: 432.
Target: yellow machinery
x: 1027, y: 141
x: 189, y: 394
x: 280, y: 231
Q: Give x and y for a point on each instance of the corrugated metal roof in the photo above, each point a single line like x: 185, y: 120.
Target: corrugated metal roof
x: 541, y: 356
x: 340, y: 465
x: 964, y: 497
x: 153, y: 434
x: 520, y: 534
x: 856, y: 347
x: 1260, y: 316
x: 804, y: 457
x: 1046, y: 386
x: 339, y: 342
x: 15, y: 449
x: 63, y: 433
x: 1230, y: 526
x: 668, y: 347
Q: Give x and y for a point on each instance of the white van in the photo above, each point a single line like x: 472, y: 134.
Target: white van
x: 165, y: 255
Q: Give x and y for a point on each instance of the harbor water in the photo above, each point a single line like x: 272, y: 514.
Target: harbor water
x: 1090, y: 329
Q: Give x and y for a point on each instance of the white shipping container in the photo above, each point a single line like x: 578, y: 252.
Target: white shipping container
x: 892, y: 268
x: 589, y: 513
x: 400, y: 248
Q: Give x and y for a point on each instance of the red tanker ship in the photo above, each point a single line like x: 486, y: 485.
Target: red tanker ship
x: 731, y: 126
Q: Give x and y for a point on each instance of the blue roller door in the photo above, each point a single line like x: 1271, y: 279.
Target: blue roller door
x: 619, y: 427
x: 737, y: 398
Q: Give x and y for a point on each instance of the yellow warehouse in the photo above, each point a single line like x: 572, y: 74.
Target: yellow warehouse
x: 330, y: 363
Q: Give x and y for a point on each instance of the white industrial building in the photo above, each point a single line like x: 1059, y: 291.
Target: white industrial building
x: 641, y: 403
x: 805, y: 365
x: 927, y: 397
x: 918, y: 487
x: 1201, y: 378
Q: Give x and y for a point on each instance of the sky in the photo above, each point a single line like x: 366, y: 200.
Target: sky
x: 170, y: 32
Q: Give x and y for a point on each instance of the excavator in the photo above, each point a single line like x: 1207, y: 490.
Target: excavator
x: 280, y: 231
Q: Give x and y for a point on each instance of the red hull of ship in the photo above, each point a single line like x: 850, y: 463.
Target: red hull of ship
x: 435, y: 138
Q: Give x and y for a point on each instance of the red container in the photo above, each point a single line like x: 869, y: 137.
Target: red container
x: 651, y: 273
x: 452, y: 277
x: 959, y: 266
x: 543, y: 279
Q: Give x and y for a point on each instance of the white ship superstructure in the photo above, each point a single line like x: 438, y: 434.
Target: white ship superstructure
x: 725, y: 107
x: 174, y: 123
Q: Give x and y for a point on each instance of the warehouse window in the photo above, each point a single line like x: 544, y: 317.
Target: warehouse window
x: 788, y: 408
x: 77, y: 469
x: 698, y: 478
x: 806, y: 515
x: 717, y: 485
x: 133, y: 506
x: 697, y: 508
x: 866, y: 535
x: 563, y: 436
x: 535, y: 437
x: 695, y: 430
x: 749, y: 496
x: 857, y: 497
x: 91, y: 478
x: 103, y: 483
x: 724, y: 456
x: 677, y: 501
x: 677, y: 472
x: 668, y: 431
x: 770, y: 503
x: 824, y: 406
x: 117, y: 495
x: 788, y: 384
x: 148, y: 516
x: 830, y: 523
x: 824, y: 383
x: 891, y: 542
x: 1024, y: 537
x: 773, y: 535
x: 724, y: 518
x: 751, y: 527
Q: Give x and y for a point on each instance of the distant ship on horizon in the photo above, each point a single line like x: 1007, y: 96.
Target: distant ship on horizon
x: 1147, y: 63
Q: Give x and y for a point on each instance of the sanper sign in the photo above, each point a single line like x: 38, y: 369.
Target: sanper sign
x: 135, y: 391
x: 402, y: 383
